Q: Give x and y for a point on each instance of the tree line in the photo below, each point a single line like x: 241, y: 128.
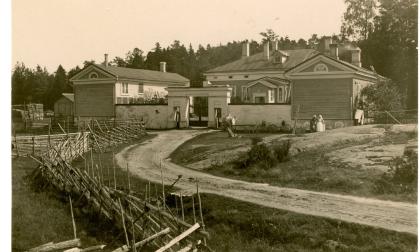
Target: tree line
x: 385, y: 30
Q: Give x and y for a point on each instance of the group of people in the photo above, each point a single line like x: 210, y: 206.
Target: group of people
x: 317, y: 123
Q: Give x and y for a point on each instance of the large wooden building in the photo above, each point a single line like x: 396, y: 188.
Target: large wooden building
x: 99, y: 88
x: 326, y: 81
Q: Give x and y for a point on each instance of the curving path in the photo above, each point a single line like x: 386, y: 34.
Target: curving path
x: 144, y: 159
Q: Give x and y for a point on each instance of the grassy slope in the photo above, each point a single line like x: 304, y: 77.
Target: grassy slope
x: 233, y: 225
x: 39, y: 217
x: 308, y: 170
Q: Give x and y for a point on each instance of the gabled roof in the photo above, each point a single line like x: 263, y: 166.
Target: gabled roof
x: 272, y: 82
x: 345, y: 63
x: 69, y: 96
x: 258, y: 62
x: 138, y: 74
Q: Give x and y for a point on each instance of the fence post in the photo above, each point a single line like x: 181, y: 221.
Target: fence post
x: 16, y: 145
x: 33, y: 146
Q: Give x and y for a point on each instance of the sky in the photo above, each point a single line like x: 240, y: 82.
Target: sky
x: 67, y: 32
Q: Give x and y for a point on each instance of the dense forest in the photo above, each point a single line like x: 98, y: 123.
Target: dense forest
x: 385, y: 30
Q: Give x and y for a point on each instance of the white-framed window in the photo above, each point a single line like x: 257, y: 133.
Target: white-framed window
x: 280, y: 95
x: 271, y: 95
x: 124, y: 88
x: 141, y: 88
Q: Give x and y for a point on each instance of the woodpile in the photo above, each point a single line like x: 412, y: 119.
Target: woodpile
x: 144, y: 219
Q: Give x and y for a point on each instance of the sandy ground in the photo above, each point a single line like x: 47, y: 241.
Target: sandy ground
x: 144, y: 160
x: 373, y: 155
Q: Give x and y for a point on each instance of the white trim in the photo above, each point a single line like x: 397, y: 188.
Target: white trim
x: 87, y: 69
x: 318, y: 59
x: 247, y: 72
x: 94, y: 81
x: 262, y: 82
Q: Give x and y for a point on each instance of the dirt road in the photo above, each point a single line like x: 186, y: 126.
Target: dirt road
x: 143, y: 160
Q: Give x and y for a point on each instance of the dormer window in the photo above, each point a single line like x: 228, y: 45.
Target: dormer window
x: 93, y: 75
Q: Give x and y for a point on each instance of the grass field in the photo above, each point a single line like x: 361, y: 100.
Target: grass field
x: 309, y: 170
x: 40, y: 217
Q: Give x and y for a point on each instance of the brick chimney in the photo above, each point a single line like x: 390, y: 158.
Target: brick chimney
x: 334, y: 51
x: 106, y: 60
x: 163, y: 66
x: 355, y: 57
x: 267, y: 50
x: 245, y: 49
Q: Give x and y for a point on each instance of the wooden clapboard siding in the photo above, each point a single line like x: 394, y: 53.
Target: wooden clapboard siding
x: 94, y: 100
x: 63, y: 107
x: 329, y: 97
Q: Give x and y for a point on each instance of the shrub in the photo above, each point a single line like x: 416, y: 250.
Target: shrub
x: 260, y: 153
x: 401, y: 176
x: 403, y: 170
x: 281, y: 151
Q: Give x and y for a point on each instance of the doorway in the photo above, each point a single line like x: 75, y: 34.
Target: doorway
x: 199, y: 114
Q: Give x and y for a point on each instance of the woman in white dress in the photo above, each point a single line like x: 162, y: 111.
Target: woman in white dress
x: 320, y: 125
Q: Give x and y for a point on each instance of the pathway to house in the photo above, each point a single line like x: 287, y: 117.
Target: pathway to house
x: 144, y: 160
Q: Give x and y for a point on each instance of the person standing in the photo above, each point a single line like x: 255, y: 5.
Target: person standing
x: 320, y: 125
x: 312, y: 123
x: 177, y: 117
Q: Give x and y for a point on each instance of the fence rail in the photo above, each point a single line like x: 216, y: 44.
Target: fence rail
x: 145, y: 216
x: 392, y: 117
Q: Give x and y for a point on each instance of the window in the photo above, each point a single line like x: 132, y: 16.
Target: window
x: 141, y: 88
x: 271, y: 95
x: 280, y: 98
x: 246, y: 76
x: 124, y: 88
x: 230, y: 76
x: 93, y: 75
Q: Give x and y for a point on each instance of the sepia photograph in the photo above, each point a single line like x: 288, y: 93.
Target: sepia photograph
x: 181, y: 125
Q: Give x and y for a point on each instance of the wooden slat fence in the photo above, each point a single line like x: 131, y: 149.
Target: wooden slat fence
x: 144, y: 218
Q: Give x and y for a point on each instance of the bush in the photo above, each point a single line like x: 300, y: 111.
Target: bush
x: 401, y: 176
x: 262, y: 155
x: 281, y: 151
x: 403, y: 170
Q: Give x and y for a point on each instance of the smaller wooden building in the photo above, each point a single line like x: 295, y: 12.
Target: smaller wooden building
x: 64, y: 107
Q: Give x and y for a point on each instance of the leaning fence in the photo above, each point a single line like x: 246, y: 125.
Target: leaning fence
x: 392, y: 117
x: 144, y: 218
